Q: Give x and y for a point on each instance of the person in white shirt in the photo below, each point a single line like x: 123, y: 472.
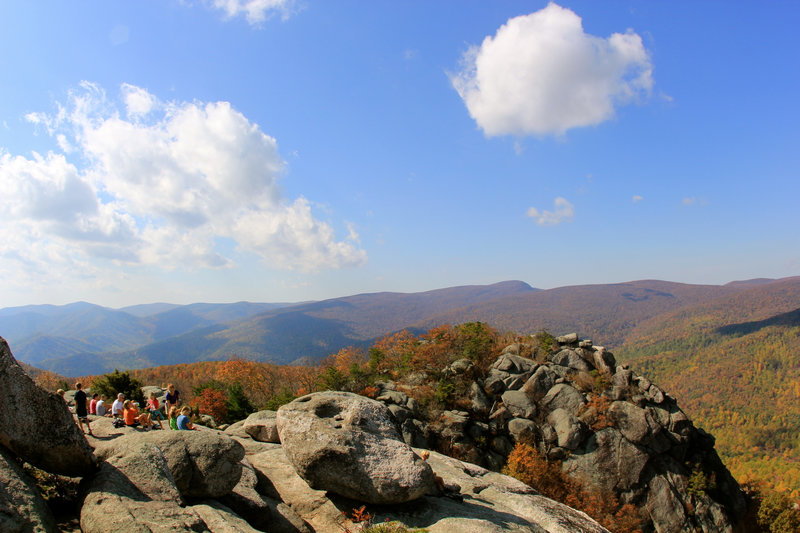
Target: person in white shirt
x: 118, y: 406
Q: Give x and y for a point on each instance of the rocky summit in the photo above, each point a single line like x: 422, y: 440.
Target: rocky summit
x: 333, y: 461
x: 613, y: 431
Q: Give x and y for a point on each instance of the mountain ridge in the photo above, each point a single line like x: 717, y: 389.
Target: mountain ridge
x: 307, y: 331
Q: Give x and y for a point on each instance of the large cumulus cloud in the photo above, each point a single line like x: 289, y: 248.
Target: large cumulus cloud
x: 140, y: 181
x: 542, y: 74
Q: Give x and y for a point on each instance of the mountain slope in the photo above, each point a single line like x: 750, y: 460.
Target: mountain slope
x: 72, y: 338
x: 735, y: 364
x: 312, y: 331
x: 609, y: 312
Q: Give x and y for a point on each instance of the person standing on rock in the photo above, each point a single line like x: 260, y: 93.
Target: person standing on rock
x: 81, y: 409
x: 173, y: 397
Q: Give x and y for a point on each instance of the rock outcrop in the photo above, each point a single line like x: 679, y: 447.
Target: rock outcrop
x: 608, y: 428
x: 347, y: 444
x: 484, y: 502
x: 36, y: 425
x: 135, y: 491
x: 203, y: 464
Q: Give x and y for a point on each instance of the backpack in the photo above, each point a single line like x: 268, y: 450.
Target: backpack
x: 118, y: 423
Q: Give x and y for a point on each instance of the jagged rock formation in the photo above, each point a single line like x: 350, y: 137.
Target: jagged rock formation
x: 609, y: 428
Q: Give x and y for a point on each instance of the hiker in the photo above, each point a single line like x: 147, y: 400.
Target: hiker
x: 183, y: 421
x: 173, y: 418
x: 173, y: 396
x: 100, y: 408
x: 118, y: 406
x: 133, y: 418
x: 93, y: 404
x: 80, y: 408
x: 155, y: 412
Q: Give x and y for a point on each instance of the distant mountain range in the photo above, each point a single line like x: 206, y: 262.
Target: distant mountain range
x: 81, y: 338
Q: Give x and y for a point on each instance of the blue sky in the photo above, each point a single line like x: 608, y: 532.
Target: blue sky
x: 260, y: 150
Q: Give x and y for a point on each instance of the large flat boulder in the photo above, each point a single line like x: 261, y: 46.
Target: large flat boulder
x: 22, y: 508
x: 347, y: 444
x: 37, y: 426
x: 486, y: 502
x: 144, y: 478
x: 203, y: 464
x: 134, y: 491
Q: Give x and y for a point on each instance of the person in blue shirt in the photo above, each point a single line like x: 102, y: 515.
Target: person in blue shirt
x: 184, y: 422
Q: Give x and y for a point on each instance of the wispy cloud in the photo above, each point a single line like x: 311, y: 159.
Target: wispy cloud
x: 257, y: 11
x: 636, y: 198
x: 542, y: 74
x: 689, y: 201
x: 563, y: 212
x: 158, y: 183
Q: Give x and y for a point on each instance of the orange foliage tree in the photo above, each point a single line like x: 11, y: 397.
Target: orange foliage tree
x: 529, y: 466
x: 212, y: 402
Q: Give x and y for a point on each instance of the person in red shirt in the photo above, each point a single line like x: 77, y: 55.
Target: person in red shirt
x: 155, y: 412
x: 93, y: 404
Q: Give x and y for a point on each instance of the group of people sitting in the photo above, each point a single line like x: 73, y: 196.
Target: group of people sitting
x: 128, y: 411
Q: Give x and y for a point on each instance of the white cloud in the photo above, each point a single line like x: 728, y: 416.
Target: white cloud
x: 563, y: 212
x: 256, y: 11
x: 157, y: 188
x: 541, y: 74
x: 637, y: 198
x: 137, y: 100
